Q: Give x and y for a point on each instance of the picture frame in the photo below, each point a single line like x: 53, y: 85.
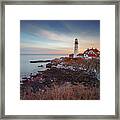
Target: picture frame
x: 70, y: 2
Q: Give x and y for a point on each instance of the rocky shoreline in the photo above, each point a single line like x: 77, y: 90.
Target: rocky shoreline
x: 65, y: 79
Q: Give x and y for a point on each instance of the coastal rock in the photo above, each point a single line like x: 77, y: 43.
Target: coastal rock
x: 40, y: 66
x: 49, y: 65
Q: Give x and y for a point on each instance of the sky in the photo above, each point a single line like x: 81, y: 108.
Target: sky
x: 58, y: 36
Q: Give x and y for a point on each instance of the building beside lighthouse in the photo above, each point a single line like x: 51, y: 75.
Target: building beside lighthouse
x: 89, y: 53
x: 75, y: 48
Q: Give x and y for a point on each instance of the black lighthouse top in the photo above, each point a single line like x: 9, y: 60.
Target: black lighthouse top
x: 76, y: 41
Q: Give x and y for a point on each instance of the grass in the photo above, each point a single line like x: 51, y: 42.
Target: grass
x: 64, y: 92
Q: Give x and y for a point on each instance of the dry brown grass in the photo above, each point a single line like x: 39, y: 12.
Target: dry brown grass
x: 64, y: 92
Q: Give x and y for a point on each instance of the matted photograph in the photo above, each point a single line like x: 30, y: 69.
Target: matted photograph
x: 60, y: 59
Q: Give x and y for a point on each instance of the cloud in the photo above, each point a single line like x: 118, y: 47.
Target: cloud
x: 32, y: 50
x: 41, y: 40
x: 40, y: 32
x: 52, y: 35
x: 49, y: 45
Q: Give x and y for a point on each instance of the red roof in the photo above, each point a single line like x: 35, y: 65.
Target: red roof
x: 92, y: 55
x: 93, y: 52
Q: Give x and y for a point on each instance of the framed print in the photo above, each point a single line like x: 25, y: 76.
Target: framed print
x: 60, y: 59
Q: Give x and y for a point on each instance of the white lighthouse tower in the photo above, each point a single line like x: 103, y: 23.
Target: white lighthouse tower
x: 76, y: 48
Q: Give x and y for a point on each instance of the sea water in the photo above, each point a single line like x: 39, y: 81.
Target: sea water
x: 26, y: 68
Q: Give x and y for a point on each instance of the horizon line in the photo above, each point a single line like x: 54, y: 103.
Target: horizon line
x: 40, y: 54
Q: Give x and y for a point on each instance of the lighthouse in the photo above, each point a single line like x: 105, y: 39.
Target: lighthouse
x: 75, y: 48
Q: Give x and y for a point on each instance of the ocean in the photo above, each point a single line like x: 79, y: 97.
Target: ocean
x: 26, y: 68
